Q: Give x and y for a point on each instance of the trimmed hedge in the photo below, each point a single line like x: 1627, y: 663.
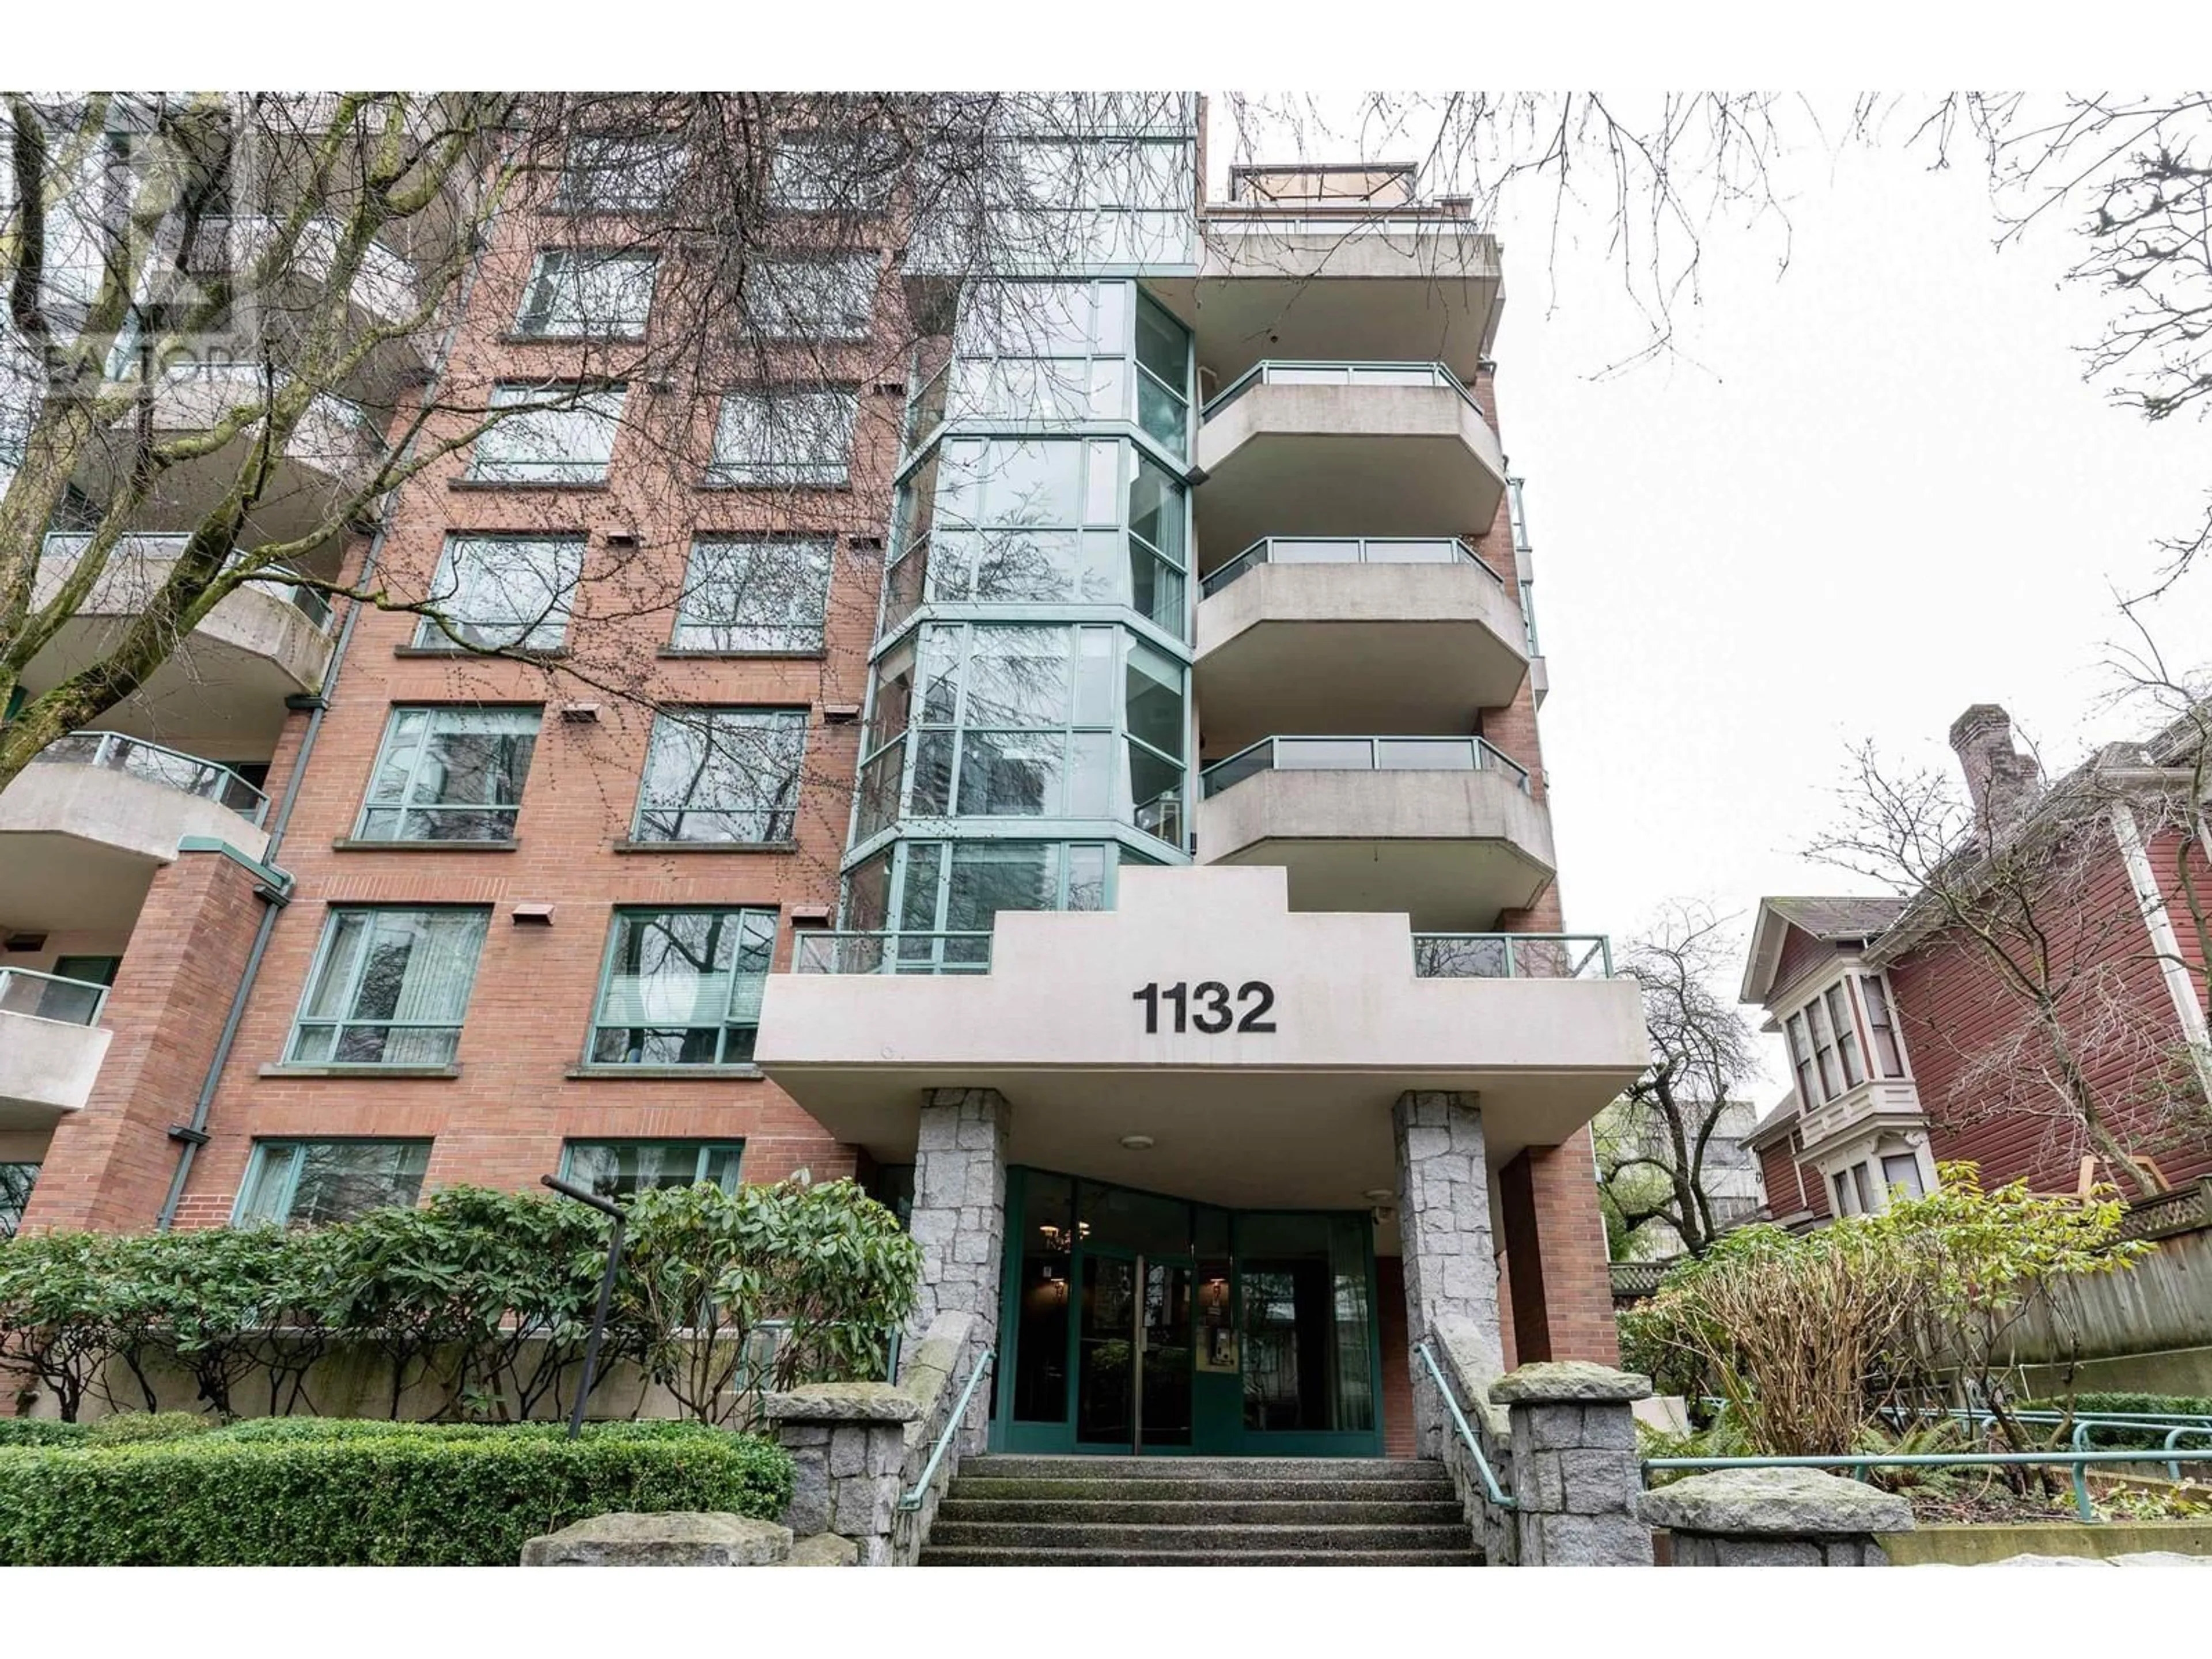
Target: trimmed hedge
x: 303, y: 1492
x: 40, y: 1432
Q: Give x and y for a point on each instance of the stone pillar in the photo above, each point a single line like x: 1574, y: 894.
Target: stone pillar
x: 1576, y: 1476
x: 1555, y: 1254
x: 1789, y: 1517
x: 960, y: 1219
x: 848, y: 1443
x: 1444, y: 1228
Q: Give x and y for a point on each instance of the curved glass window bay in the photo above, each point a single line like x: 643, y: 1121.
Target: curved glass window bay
x: 1004, y: 720
x: 1041, y: 522
x: 921, y: 906
x: 1058, y: 353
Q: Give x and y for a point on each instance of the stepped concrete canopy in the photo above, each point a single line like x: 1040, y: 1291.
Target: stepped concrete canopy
x: 1293, y: 1110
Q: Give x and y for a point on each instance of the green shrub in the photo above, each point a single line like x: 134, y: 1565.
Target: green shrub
x: 40, y: 1432
x: 128, y: 1428
x: 268, y: 1430
x: 365, y: 1495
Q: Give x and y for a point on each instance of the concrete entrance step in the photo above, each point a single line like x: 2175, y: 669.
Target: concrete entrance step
x: 1211, y: 1510
x: 1014, y: 1511
x: 1017, y: 1465
x: 964, y: 1557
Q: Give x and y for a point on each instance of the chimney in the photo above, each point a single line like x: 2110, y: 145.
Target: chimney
x: 2002, y: 783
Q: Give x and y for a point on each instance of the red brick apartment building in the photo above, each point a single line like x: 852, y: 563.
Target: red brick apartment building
x: 1916, y: 1028
x: 874, y: 757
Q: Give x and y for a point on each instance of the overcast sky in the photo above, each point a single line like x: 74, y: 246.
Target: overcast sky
x: 1866, y: 492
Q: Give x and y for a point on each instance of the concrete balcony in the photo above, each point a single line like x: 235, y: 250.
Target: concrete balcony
x: 332, y: 452
x: 1285, y: 1105
x: 1346, y: 449
x: 1368, y: 634
x: 1872, y: 1105
x: 83, y: 829
x: 1443, y: 830
x: 227, y: 680
x: 51, y: 1046
x: 1401, y: 284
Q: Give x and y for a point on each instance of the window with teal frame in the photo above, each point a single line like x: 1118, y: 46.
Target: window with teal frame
x: 1010, y: 720
x: 618, y: 1168
x: 389, y: 987
x: 313, y: 1184
x: 681, y: 987
x: 939, y: 898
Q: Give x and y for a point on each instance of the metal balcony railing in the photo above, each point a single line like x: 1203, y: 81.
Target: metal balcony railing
x: 1350, y: 222
x: 1277, y: 371
x: 171, y: 768
x: 50, y: 996
x: 1348, y: 549
x: 277, y: 581
x: 1512, y: 956
x: 963, y: 953
x: 1360, y: 755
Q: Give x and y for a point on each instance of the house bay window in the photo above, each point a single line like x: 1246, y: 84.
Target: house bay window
x: 1041, y: 522
x: 1889, y: 1054
x: 683, y: 988
x: 1825, y: 1055
x: 990, y: 721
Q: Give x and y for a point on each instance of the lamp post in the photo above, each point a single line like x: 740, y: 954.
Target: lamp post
x: 613, y: 1213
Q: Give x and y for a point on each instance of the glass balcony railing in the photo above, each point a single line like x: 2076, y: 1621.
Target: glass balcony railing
x: 187, y: 774
x: 1512, y: 956
x: 1341, y: 549
x: 1360, y: 755
x: 1350, y: 221
x: 276, y: 580
x: 890, y: 953
x: 49, y: 996
x: 1273, y: 372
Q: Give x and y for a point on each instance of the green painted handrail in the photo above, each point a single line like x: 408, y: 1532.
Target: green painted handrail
x: 1499, y: 1498
x: 2078, y: 1462
x: 912, y: 1500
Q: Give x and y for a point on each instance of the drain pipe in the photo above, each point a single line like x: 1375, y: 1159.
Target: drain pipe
x: 191, y: 1137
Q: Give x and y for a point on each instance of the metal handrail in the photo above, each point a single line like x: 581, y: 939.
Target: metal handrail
x: 287, y: 588
x: 913, y: 1500
x: 1263, y: 552
x: 9, y: 976
x: 2078, y: 1460
x: 824, y: 952
x: 1499, y: 1496
x: 1482, y: 756
x: 1599, y: 945
x: 1263, y: 372
x: 208, y: 778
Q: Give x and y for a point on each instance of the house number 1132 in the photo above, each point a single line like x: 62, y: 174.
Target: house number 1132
x: 1206, y: 1007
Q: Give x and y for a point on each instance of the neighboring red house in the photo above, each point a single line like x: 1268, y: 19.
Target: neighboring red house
x: 1910, y: 1044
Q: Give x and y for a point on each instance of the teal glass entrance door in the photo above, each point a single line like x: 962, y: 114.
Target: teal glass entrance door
x: 1134, y: 1322
x: 1133, y: 1353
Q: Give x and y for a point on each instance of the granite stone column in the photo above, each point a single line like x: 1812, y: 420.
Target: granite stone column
x: 1444, y: 1228
x: 960, y: 1219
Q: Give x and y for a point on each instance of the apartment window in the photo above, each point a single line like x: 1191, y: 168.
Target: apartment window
x: 313, y: 1184
x: 683, y: 988
x: 16, y: 1181
x: 722, y: 774
x: 785, y: 437
x: 1843, y: 1187
x: 1881, y: 1029
x: 812, y: 299
x: 621, y: 173
x: 588, y: 293
x: 389, y: 988
x: 1862, y: 1189
x: 559, y: 435
x: 744, y: 595
x: 1902, y: 1169
x: 941, y: 898
x: 849, y: 174
x: 1072, y: 351
x: 618, y: 1168
x: 449, y: 774
x: 500, y: 593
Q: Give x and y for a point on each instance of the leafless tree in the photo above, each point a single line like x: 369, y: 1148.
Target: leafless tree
x: 1656, y: 1154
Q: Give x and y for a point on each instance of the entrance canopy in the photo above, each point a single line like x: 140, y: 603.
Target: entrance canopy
x: 1258, y: 1048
